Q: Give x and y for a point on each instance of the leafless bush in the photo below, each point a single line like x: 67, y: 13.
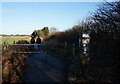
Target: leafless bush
x: 13, y: 66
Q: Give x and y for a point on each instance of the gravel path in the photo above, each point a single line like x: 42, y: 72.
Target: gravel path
x: 50, y: 71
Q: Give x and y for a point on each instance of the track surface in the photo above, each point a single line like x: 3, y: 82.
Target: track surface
x: 39, y: 69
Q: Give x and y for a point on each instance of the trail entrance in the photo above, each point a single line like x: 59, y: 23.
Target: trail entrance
x: 41, y: 66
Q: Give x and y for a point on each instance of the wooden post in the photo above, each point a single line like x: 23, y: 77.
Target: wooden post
x: 66, y: 49
x: 84, y: 53
x: 73, y: 50
x: 13, y: 42
x: 4, y: 46
x: 46, y: 52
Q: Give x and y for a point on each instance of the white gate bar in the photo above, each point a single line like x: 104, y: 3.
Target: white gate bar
x: 27, y: 44
x: 24, y: 52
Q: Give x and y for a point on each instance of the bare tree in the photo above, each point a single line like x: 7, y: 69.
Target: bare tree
x: 53, y: 30
x: 108, y: 16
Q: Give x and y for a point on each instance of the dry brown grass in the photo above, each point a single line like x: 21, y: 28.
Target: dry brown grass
x: 13, y: 66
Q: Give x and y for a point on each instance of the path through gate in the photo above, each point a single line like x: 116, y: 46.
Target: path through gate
x: 29, y: 49
x: 41, y: 67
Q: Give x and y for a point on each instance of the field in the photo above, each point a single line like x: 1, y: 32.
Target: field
x: 11, y: 39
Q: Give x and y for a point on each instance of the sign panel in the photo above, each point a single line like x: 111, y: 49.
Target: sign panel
x: 84, y: 44
x: 84, y: 47
x: 85, y: 41
x: 85, y: 35
x: 84, y: 52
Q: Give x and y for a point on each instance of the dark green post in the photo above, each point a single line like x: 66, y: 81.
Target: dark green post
x: 46, y: 52
x: 66, y: 49
x: 13, y: 42
x: 73, y: 50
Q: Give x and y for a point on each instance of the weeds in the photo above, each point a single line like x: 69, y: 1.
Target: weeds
x: 13, y: 65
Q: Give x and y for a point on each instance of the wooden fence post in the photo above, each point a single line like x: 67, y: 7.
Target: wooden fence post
x: 66, y: 51
x: 13, y: 42
x: 73, y: 50
x: 46, y: 52
x: 4, y: 46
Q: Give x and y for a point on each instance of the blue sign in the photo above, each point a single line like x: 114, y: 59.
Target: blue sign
x: 84, y: 52
x: 84, y: 47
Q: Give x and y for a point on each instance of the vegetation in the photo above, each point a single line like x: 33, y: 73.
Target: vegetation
x: 41, y: 33
x: 53, y: 30
x: 103, y: 63
x: 104, y: 25
x: 13, y: 64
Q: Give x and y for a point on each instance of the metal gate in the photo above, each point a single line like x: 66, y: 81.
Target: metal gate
x: 28, y: 49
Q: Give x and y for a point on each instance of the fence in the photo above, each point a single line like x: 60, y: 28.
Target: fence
x: 25, y: 49
x: 14, y: 57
